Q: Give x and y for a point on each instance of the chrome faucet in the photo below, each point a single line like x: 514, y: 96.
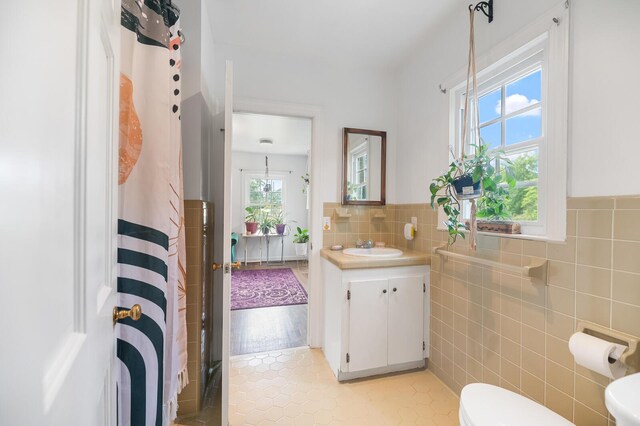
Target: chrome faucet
x: 364, y: 244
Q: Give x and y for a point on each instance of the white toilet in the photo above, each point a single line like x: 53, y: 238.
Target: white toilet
x: 487, y: 405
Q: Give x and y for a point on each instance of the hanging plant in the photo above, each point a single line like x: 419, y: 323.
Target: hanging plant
x: 448, y: 189
x: 306, y: 179
x: 469, y: 177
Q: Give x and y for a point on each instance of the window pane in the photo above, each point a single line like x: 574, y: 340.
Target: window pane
x: 275, y: 198
x: 491, y: 135
x: 255, y: 198
x: 523, y: 203
x: 523, y: 200
x: 489, y: 106
x: 525, y: 165
x: 523, y: 92
x: 255, y: 185
x: 524, y: 127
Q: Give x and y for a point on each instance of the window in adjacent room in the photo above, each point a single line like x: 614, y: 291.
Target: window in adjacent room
x: 256, y: 196
x: 360, y: 172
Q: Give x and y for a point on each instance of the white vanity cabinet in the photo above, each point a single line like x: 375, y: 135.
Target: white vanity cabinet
x: 376, y: 320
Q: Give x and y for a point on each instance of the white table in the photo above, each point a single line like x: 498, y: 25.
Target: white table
x: 259, y: 236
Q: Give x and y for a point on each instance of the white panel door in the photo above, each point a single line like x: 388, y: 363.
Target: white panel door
x: 225, y: 174
x: 406, y: 319
x: 367, y: 346
x: 58, y: 165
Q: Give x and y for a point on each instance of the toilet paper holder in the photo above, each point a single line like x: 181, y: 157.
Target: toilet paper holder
x: 630, y: 357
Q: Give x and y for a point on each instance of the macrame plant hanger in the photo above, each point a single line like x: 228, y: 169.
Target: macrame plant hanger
x: 475, y: 128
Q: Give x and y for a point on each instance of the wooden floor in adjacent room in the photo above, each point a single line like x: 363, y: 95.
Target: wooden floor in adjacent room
x: 267, y: 329
x: 272, y: 328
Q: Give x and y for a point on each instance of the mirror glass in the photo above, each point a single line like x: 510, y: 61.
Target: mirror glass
x: 364, y: 168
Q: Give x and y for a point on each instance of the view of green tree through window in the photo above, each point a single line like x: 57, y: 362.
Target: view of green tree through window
x: 511, y: 121
x: 271, y: 199
x: 522, y: 201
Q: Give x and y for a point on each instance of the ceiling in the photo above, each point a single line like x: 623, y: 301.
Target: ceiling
x: 370, y: 33
x: 290, y: 135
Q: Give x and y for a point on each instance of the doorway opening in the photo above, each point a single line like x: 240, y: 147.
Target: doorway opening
x: 270, y: 220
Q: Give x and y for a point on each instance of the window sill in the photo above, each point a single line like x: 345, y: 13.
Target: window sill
x: 542, y: 238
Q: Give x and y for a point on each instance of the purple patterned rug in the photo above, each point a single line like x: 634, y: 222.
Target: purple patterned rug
x: 260, y: 288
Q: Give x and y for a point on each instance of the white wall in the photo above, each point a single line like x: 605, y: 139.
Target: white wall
x: 198, y: 103
x: 207, y: 57
x: 349, y: 97
x: 295, y: 200
x: 603, y: 100
x: 605, y: 142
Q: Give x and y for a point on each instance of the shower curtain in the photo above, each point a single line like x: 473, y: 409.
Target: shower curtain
x: 151, y: 247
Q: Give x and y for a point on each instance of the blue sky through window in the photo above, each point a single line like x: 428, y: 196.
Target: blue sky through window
x: 529, y: 87
x: 519, y: 95
x: 487, y: 106
x: 524, y: 127
x: 491, y: 134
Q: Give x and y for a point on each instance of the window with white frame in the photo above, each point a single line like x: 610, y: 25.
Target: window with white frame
x: 360, y: 171
x: 510, y: 108
x: 265, y: 193
x: 522, y: 102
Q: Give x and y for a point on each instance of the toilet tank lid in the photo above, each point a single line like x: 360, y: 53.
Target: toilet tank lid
x: 488, y: 405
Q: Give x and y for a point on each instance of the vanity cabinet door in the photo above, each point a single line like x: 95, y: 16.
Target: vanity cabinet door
x: 367, y: 346
x: 406, y: 319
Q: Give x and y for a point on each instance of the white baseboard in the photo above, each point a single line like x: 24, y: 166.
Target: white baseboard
x: 286, y: 259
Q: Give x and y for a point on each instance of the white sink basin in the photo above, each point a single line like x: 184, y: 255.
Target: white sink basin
x: 373, y: 252
x: 622, y: 399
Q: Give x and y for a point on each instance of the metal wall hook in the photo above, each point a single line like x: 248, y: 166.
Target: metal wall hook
x: 441, y: 89
x: 485, y: 7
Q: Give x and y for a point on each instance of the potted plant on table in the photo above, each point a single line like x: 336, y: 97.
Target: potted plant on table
x: 280, y: 224
x: 267, y: 222
x: 300, y: 241
x: 251, y: 219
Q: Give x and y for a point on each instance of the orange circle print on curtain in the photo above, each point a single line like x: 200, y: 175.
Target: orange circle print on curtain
x: 130, y: 131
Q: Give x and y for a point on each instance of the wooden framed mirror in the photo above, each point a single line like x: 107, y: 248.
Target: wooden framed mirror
x: 364, y: 168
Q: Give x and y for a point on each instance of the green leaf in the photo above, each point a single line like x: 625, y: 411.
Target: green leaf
x: 488, y: 184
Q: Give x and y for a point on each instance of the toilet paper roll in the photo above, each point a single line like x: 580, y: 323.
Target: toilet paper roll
x: 409, y: 231
x: 597, y: 355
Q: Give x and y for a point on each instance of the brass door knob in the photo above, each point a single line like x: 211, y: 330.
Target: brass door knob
x: 134, y: 313
x: 236, y: 264
x: 216, y: 266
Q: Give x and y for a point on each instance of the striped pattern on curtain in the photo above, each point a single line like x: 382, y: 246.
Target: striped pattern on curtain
x: 151, y: 258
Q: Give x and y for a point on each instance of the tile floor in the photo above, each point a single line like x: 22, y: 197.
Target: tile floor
x: 297, y: 387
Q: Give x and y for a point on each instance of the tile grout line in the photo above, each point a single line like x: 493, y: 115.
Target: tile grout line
x: 575, y: 311
x: 613, y: 219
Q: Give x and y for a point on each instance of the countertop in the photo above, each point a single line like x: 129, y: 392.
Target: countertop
x: 345, y: 261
